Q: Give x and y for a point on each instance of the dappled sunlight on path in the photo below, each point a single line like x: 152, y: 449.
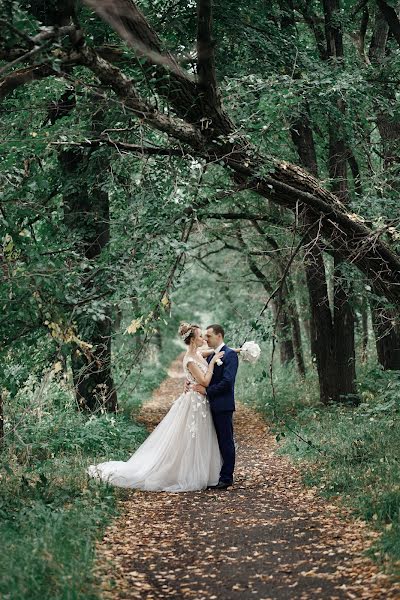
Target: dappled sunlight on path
x: 266, y: 538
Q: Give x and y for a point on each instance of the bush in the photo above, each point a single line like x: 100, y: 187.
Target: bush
x: 353, y: 454
x: 51, y: 512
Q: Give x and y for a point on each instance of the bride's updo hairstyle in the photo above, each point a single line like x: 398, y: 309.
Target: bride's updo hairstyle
x: 187, y: 332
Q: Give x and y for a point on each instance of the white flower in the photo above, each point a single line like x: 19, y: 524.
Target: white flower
x: 250, y: 352
x: 219, y: 362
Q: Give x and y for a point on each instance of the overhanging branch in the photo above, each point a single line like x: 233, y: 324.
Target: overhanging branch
x: 112, y: 77
x: 36, y: 43
x: 235, y: 216
x: 130, y: 24
x: 18, y: 78
x: 125, y: 147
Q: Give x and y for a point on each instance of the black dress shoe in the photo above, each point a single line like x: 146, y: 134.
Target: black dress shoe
x: 221, y: 485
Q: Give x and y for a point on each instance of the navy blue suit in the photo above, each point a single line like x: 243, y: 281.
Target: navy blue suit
x: 221, y: 397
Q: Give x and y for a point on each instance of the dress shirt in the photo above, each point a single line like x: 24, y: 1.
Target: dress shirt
x: 218, y: 349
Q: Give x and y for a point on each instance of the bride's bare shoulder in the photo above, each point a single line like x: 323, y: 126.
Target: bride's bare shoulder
x: 197, y: 359
x: 188, y: 358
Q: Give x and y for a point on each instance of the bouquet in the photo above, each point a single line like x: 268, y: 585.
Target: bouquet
x: 250, y: 352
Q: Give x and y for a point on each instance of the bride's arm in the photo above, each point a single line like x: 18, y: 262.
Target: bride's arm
x: 201, y: 377
x: 205, y: 351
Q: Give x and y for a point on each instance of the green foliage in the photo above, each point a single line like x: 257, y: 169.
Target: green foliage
x: 353, y: 455
x: 51, y: 512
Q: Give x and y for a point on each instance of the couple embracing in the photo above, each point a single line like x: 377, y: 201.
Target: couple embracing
x: 192, y: 448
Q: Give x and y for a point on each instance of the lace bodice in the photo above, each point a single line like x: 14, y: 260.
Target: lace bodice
x: 199, y: 361
x: 199, y: 404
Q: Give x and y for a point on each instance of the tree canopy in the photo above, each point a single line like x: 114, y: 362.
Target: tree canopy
x: 133, y: 133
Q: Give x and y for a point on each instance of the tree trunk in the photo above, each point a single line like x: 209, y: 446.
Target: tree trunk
x: 333, y: 29
x: 336, y: 361
x: 343, y: 315
x: 322, y: 336
x: 291, y: 307
x: 344, y: 335
x: 344, y: 325
x: 302, y: 137
x: 364, y: 329
x: 87, y: 213
x: 387, y: 336
x: 385, y: 322
x: 282, y: 332
x: 321, y: 319
x: 303, y: 302
x: 297, y: 346
x: 333, y: 370
x: 1, y: 418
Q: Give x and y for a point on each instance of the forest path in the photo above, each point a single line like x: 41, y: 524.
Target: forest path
x: 267, y: 538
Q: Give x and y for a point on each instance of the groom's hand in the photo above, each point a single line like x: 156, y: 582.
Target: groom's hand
x: 199, y: 388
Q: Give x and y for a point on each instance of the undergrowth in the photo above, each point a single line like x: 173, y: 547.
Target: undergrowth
x: 51, y: 512
x: 351, y: 454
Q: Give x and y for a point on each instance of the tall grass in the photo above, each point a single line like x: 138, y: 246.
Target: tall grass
x: 51, y: 512
x: 351, y: 454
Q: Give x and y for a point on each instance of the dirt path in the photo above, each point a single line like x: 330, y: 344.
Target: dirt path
x: 267, y: 538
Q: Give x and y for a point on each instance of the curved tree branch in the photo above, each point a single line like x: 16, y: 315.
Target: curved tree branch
x: 130, y: 24
x: 47, y: 33
x: 112, y: 77
x: 17, y: 78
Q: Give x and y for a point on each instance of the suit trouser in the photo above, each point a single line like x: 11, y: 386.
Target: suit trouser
x: 224, y: 428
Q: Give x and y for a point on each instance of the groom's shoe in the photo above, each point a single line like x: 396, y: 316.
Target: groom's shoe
x: 221, y: 485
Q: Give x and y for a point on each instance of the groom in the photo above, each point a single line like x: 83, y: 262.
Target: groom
x: 220, y: 393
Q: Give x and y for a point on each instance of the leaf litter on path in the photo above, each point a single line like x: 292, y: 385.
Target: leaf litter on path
x: 267, y: 538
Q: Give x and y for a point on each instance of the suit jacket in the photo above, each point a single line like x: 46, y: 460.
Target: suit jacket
x: 220, y: 392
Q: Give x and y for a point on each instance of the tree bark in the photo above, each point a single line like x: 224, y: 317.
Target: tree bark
x: 322, y: 332
x: 282, y: 332
x: 87, y: 213
x: 279, y: 315
x: 1, y: 418
x: 334, y: 372
x: 295, y: 327
x: 296, y: 340
x: 364, y: 329
x: 322, y: 335
x: 387, y: 336
x: 333, y: 30
x: 385, y: 321
x: 343, y: 315
x: 344, y: 335
x: 391, y: 17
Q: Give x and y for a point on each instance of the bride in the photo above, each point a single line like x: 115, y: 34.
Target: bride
x: 182, y: 452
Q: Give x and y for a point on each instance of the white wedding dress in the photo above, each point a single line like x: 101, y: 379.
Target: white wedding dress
x: 181, y: 454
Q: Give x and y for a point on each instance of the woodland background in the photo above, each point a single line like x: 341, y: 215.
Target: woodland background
x: 243, y: 169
